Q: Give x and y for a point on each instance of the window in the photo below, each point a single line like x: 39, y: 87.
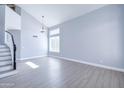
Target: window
x: 54, y: 44
x: 54, y: 40
x: 54, y: 32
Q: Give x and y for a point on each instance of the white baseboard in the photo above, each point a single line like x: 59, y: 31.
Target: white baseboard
x: 31, y: 57
x: 89, y: 63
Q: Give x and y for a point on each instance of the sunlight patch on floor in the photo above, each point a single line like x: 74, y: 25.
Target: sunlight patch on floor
x: 32, y: 65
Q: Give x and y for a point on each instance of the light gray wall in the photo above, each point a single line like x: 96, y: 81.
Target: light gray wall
x: 96, y: 37
x: 2, y: 23
x: 32, y: 46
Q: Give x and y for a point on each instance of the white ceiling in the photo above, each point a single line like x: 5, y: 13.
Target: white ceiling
x: 58, y: 13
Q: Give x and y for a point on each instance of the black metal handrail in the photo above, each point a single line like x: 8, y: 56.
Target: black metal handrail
x: 14, y: 50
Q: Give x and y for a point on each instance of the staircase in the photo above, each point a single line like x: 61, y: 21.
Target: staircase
x: 8, y: 52
x: 6, y: 64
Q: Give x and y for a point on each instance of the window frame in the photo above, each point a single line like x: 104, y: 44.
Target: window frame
x: 52, y: 36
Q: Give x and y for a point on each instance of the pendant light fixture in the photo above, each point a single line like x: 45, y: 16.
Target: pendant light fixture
x: 43, y: 28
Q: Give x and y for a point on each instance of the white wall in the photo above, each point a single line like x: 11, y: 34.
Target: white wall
x: 96, y: 37
x: 13, y: 25
x: 32, y: 46
x: 12, y: 19
x: 17, y: 39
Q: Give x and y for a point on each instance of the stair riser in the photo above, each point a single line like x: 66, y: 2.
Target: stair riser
x: 6, y: 68
x: 8, y: 74
x: 5, y: 58
x: 3, y: 46
x: 4, y: 50
x: 5, y: 63
x: 5, y: 54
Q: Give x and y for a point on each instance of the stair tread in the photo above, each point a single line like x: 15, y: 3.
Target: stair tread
x: 4, y: 58
x: 7, y: 73
x: 6, y: 61
x: 3, y: 46
x: 2, y: 49
x: 6, y: 65
x: 5, y: 54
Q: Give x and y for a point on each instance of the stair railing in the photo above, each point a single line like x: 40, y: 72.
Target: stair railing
x: 9, y: 40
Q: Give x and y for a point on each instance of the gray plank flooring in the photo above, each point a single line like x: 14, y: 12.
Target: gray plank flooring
x: 58, y: 73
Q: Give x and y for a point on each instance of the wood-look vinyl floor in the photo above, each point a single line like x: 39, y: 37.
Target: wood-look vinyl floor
x: 57, y: 73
